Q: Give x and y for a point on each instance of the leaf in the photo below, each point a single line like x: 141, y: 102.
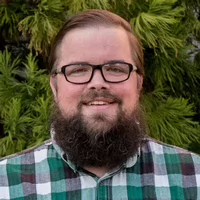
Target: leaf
x: 170, y: 119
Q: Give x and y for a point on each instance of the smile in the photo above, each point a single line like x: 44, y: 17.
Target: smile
x: 98, y: 103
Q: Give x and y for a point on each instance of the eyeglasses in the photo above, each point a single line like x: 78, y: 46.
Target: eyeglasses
x: 81, y: 73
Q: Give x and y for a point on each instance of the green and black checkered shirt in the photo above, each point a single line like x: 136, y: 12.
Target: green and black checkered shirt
x: 158, y: 171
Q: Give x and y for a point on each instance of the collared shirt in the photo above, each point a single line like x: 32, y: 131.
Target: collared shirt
x: 158, y: 171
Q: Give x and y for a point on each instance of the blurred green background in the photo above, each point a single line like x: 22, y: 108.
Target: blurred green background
x: 170, y: 34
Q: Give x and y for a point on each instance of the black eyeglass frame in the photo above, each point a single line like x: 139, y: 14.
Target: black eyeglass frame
x: 132, y: 68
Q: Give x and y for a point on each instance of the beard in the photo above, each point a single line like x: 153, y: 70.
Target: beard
x: 99, y: 141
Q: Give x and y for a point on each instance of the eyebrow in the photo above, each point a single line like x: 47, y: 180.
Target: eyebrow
x: 84, y: 62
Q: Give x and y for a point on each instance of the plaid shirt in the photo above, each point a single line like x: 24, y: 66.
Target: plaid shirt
x: 159, y: 171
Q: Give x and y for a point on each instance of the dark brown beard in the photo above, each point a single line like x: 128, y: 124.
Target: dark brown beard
x: 103, y: 149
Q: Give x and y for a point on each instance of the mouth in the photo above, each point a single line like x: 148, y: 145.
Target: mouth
x: 99, y: 102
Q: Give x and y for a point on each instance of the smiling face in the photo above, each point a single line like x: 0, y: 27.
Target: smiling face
x: 99, y: 102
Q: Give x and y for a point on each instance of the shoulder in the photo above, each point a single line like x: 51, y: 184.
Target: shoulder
x: 28, y: 156
x: 171, y: 155
x: 160, y: 147
x: 173, y: 171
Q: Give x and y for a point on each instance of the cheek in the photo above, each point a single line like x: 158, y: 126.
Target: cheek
x: 68, y: 97
x: 129, y: 95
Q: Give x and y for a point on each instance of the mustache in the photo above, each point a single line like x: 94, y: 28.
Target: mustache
x: 92, y: 95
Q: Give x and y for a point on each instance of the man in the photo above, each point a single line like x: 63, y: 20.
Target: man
x: 99, y: 148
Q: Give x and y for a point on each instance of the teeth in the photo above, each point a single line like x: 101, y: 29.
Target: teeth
x: 98, y: 103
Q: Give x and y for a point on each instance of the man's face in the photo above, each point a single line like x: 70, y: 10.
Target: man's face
x: 96, y: 46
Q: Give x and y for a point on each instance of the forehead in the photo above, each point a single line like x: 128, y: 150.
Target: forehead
x: 95, y: 45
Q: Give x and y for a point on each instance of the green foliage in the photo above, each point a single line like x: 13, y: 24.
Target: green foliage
x: 8, y: 69
x: 15, y: 123
x: 170, y: 33
x: 170, y: 119
x: 42, y: 25
x: 25, y: 105
x: 9, y: 20
x: 154, y: 26
x: 174, y: 71
x: 76, y: 6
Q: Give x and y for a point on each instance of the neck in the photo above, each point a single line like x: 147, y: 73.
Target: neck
x: 98, y: 171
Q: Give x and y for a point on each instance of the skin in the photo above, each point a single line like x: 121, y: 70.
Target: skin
x: 95, y: 45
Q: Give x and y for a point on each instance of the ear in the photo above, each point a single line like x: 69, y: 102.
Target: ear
x: 53, y: 84
x: 139, y: 82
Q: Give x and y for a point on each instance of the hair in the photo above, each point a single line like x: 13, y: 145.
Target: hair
x: 102, y: 18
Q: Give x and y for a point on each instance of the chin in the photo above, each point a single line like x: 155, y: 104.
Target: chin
x: 100, y: 123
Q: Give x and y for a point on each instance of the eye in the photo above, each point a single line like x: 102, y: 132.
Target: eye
x: 77, y: 70
x: 80, y: 70
x: 117, y: 68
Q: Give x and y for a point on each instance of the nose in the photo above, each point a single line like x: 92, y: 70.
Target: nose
x: 98, y: 82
